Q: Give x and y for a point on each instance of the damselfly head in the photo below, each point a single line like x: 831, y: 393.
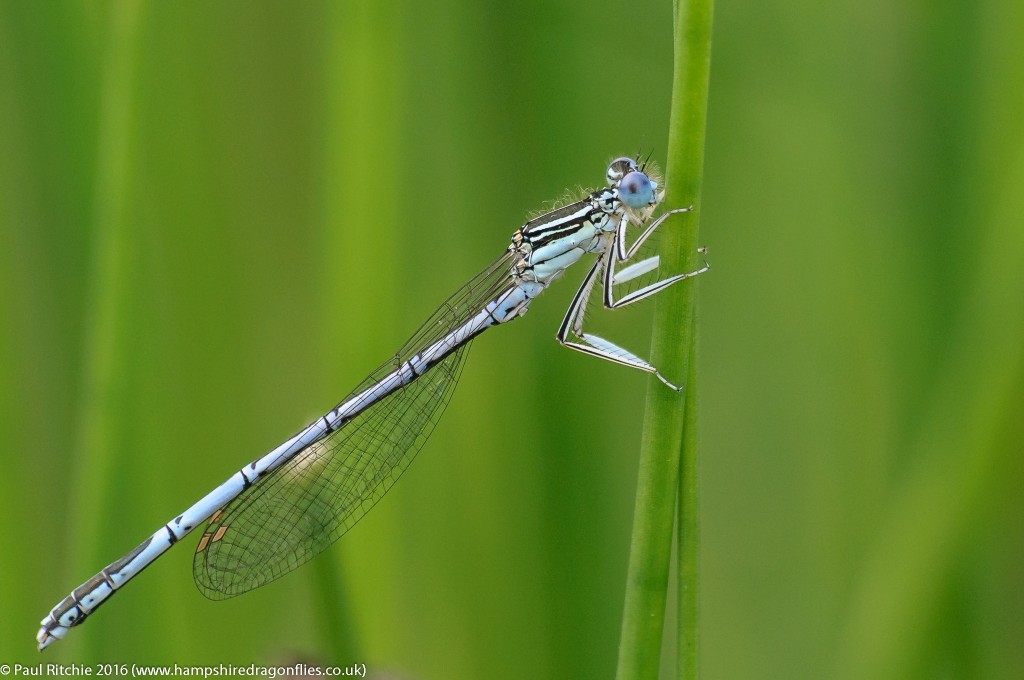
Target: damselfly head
x: 634, y: 188
x: 637, y: 190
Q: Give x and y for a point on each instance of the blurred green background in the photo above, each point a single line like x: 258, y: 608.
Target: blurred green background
x: 216, y: 218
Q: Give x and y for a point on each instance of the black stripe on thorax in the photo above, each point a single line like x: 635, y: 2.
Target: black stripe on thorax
x: 556, y: 220
x: 548, y: 235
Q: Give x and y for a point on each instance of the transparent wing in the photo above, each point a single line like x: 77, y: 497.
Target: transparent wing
x: 301, y: 508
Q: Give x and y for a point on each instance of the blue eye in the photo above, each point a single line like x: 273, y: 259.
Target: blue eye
x: 636, y: 190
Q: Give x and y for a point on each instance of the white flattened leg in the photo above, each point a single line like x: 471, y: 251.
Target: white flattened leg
x: 636, y: 269
x: 611, y: 278
x: 592, y: 344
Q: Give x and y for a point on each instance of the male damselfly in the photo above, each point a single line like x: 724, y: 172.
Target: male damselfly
x: 281, y: 510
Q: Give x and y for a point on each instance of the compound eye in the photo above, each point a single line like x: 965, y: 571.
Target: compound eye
x: 637, y: 190
x: 619, y: 168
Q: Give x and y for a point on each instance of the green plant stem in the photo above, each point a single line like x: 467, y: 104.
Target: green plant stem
x: 668, y: 414
x: 689, y: 530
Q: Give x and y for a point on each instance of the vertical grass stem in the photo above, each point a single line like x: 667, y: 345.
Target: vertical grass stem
x: 669, y: 437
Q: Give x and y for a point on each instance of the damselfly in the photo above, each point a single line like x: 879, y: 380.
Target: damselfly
x: 280, y: 510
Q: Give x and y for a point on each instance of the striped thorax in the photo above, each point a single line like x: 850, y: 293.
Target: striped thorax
x: 548, y: 245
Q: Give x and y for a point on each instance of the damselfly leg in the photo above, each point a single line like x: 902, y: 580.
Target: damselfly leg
x: 605, y: 268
